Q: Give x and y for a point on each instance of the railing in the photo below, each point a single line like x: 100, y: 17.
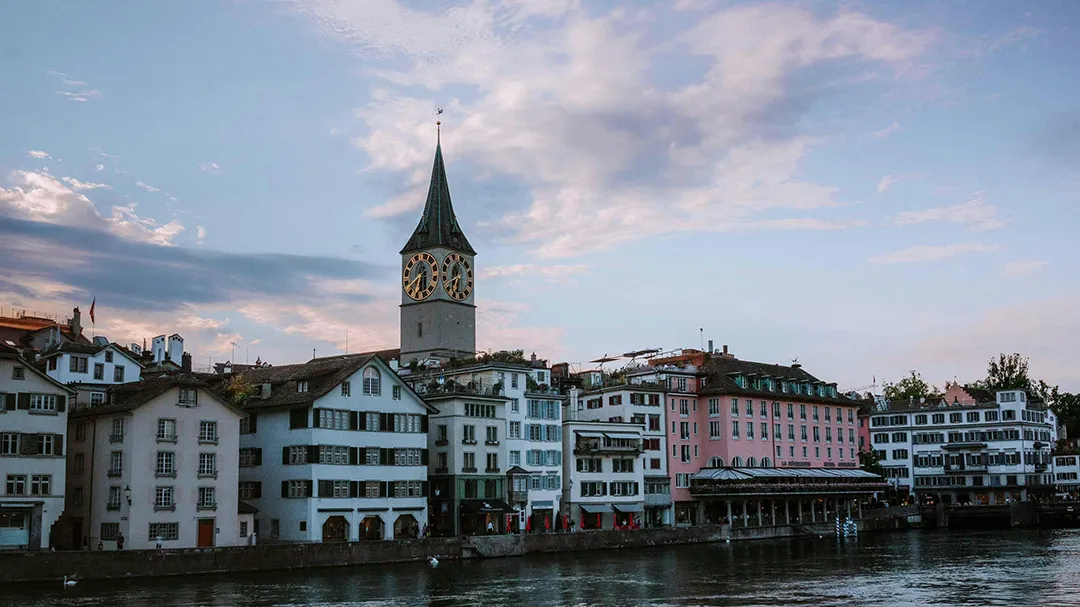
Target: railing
x: 116, y: 438
x: 803, y: 488
x: 607, y: 449
x: 519, y: 496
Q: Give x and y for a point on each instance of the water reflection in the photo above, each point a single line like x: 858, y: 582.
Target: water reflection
x: 917, y: 568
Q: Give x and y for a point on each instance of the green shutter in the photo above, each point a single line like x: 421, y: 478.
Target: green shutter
x: 354, y: 456
x: 258, y: 489
x: 313, y: 454
x: 284, y: 488
x: 252, y: 425
x: 424, y: 457
x: 258, y: 456
x: 61, y: 403
x: 423, y: 488
x: 9, y: 401
x: 24, y: 401
x: 58, y: 444
x: 354, y: 420
x: 363, y: 420
x: 423, y: 424
x: 285, y: 456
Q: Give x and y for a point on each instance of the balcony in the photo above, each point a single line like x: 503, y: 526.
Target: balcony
x: 207, y: 474
x: 207, y: 440
x: 657, y: 499
x: 585, y: 448
x: 164, y: 508
x: 441, y: 442
x: 165, y: 474
x: 166, y: 438
x: 116, y: 438
x: 207, y: 506
x: 491, y: 443
x: 468, y: 441
x: 112, y: 506
x: 468, y: 470
x: 518, y: 497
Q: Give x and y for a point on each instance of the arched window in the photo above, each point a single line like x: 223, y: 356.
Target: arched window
x: 716, y: 462
x: 371, y: 381
x: 736, y: 462
x: 751, y: 462
x: 766, y: 462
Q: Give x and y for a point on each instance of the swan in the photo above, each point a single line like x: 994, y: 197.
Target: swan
x: 434, y: 562
x: 68, y: 583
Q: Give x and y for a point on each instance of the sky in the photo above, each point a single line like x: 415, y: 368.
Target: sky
x: 866, y: 187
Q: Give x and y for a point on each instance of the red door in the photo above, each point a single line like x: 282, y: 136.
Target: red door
x: 206, y: 533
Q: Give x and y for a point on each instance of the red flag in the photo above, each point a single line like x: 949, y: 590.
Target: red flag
x: 92, y: 304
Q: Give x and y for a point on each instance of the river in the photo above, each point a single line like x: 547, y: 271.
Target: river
x: 897, y: 569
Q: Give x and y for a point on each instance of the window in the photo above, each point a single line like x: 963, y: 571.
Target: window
x: 816, y: 416
x: 9, y: 443
x: 749, y: 408
x: 208, y: 501
x: 248, y: 424
x: 492, y: 435
x: 684, y: 408
x: 954, y: 418
x: 790, y: 411
x: 298, y: 455
x: 333, y: 419
x: 973, y: 416
x: 346, y: 389
x: 116, y: 463
x: 301, y: 385
x: 77, y: 364
x: 166, y: 463
x: 764, y: 431
x: 714, y: 407
x: 371, y: 381
x: 682, y: 480
x: 406, y: 457
x: 802, y: 412
x: 16, y: 484
x: 163, y: 498
x: 166, y: 430
x: 189, y: 397
x: 159, y: 531
x: 593, y: 489
x: 590, y: 464
x: 791, y: 431
x: 108, y: 356
x: 750, y: 430
x: 298, y: 489
x: 817, y: 434
x: 469, y: 461
x: 99, y: 370
x: 684, y: 430
x: 468, y: 434
x: 686, y: 454
x: 714, y: 429
x: 802, y: 433
x: 109, y: 531
x: 208, y: 432
x: 46, y: 444
x: 18, y: 373
x: 681, y: 382
x: 622, y: 465
x: 250, y: 457
x: 208, y: 465
x: 734, y: 406
x: 97, y: 399
x: 492, y: 462
x: 396, y: 392
x: 118, y: 374
x: 43, y: 402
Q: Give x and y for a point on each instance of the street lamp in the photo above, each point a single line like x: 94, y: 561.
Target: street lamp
x: 127, y: 494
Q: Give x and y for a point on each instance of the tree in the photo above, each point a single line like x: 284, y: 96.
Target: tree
x: 911, y: 387
x: 871, y: 462
x: 1007, y: 372
x: 238, y: 389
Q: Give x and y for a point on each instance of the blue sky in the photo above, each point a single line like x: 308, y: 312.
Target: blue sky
x: 867, y: 187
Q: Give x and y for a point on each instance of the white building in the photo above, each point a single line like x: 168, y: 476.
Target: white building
x: 334, y: 449
x: 91, y: 369
x: 604, y: 471
x: 1067, y: 474
x: 33, y: 427
x: 529, y: 436
x: 158, y: 460
x: 640, y: 402
x: 987, y: 451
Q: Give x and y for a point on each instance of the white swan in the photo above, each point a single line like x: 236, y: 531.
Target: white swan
x: 68, y: 583
x: 434, y: 562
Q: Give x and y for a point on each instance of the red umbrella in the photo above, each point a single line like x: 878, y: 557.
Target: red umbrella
x: 547, y: 523
x: 528, y: 524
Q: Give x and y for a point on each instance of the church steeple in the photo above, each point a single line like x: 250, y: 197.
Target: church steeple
x: 438, y: 225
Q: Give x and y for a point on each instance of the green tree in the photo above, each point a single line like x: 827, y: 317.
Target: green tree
x: 911, y: 387
x: 238, y: 389
x: 1006, y: 372
x: 871, y: 462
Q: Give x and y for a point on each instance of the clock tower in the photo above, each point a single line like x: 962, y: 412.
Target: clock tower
x: 438, y: 313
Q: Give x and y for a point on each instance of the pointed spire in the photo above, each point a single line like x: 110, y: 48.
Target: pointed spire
x: 438, y: 225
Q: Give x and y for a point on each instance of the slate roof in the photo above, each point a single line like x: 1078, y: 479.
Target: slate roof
x: 438, y: 225
x: 89, y: 349
x: 721, y: 371
x: 132, y: 395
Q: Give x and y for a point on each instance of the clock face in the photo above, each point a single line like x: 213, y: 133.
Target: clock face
x: 420, y: 276
x: 457, y: 276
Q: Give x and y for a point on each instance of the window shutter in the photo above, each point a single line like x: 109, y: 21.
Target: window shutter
x: 384, y: 489
x: 386, y: 422
x: 384, y: 457
x: 423, y: 457
x: 298, y: 418
x: 326, y: 488
x: 61, y: 402
x: 354, y: 456
x: 363, y: 420
x: 58, y: 444
x: 285, y: 456
x: 354, y: 420
x: 258, y: 456
x: 314, y: 418
x: 258, y: 489
x: 253, y: 426
x: 423, y: 488
x: 312, y: 454
x: 9, y: 401
x: 284, y: 488
x: 24, y: 401
x: 361, y: 455
x: 28, y: 444
x: 423, y: 424
x: 354, y: 488
x: 309, y: 487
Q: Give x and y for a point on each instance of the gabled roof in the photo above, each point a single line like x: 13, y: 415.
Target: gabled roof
x: 13, y: 354
x: 131, y: 396
x: 88, y: 349
x: 438, y: 225
x: 722, y: 370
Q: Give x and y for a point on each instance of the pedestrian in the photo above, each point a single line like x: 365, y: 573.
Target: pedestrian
x: 100, y: 545
x: 490, y: 527
x: 119, y: 541
x: 159, y: 538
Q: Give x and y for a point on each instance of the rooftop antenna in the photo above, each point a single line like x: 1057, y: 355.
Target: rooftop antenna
x: 313, y: 354
x: 232, y: 358
x: 438, y: 126
x: 701, y: 333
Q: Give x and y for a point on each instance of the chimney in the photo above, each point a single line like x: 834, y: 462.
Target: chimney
x: 572, y: 404
x: 710, y: 347
x: 176, y: 348
x: 533, y: 357
x: 76, y: 322
x: 185, y: 362
x: 157, y: 348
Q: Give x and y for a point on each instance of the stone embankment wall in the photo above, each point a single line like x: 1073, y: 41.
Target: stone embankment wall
x: 52, y: 566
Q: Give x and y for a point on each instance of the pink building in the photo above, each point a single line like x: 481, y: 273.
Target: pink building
x: 723, y: 412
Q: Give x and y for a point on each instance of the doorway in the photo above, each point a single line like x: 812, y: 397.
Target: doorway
x: 335, y: 529
x: 206, y: 533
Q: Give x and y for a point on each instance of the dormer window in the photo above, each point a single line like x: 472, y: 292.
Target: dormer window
x: 108, y: 356
x: 301, y: 385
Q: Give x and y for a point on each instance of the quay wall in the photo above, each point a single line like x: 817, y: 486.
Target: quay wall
x: 53, y: 566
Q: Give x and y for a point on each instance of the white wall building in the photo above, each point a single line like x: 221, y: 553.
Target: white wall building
x: 334, y: 449
x: 158, y: 460
x: 984, y: 452
x: 91, y: 368
x: 604, y: 473
x: 33, y: 427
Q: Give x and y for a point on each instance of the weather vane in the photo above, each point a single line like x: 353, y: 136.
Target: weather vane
x: 438, y: 125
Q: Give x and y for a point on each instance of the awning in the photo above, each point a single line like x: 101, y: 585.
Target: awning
x: 543, y: 505
x: 596, y: 508
x: 629, y: 507
x: 590, y: 434
x: 621, y: 435
x: 486, y: 507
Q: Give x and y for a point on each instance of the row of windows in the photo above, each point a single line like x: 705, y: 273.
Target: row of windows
x: 683, y: 452
x: 78, y: 364
x: 16, y: 443
x: 614, y: 488
x: 747, y: 431
x: 772, y: 385
x: 747, y: 409
x: 536, y: 482
x: 342, y: 455
x: 166, y: 431
x: 366, y: 421
x: 958, y: 417
x: 596, y: 464
x: 33, y: 484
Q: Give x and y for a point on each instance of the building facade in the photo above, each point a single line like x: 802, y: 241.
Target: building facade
x: 156, y: 463
x: 604, y: 474
x: 990, y: 449
x: 33, y: 431
x: 334, y: 449
x: 91, y: 368
x: 438, y: 311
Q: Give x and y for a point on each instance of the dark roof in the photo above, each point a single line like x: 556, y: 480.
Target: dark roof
x: 132, y: 395
x: 89, y: 349
x: 13, y: 354
x: 980, y: 395
x: 438, y: 225
x: 245, y: 508
x: 722, y: 370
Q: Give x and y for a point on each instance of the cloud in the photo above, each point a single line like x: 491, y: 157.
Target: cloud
x: 99, y: 167
x: 608, y: 155
x: 200, y: 234
x: 1023, y: 267
x: 81, y: 96
x: 210, y: 167
x: 885, y: 132
x: 976, y: 214
x: 38, y: 154
x: 1012, y: 37
x: 147, y: 186
x: 85, y: 185
x: 66, y: 79
x: 552, y: 273
x: 885, y: 183
x: 927, y: 253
